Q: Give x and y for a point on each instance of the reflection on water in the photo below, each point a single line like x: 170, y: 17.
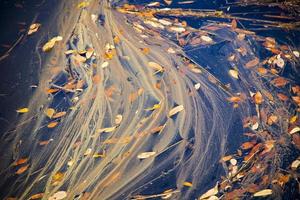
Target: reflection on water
x: 129, y: 106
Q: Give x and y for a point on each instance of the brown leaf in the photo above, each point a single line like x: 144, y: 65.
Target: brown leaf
x: 36, y: 196
x: 279, y: 82
x: 252, y: 63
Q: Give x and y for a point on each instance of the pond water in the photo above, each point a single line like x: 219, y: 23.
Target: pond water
x: 124, y: 106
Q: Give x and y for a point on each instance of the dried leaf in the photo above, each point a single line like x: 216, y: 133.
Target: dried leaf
x: 83, y: 4
x: 187, y: 184
x: 175, y: 110
x: 106, y: 130
x: 22, y: 169
x: 261, y: 193
x: 59, y: 114
x: 252, y: 63
x: 156, y: 66
x: 52, y: 124
x: 279, y: 82
x: 145, y: 155
x: 33, y: 28
x: 211, y: 192
x: 20, y: 161
x: 118, y: 119
x: 50, y: 44
x: 58, y: 195
x: 247, y: 145
x: 206, y: 39
x: 295, y: 164
x: 49, y: 112
x: 258, y: 98
x: 36, y: 196
x: 234, y: 73
x: 22, y: 110
x: 295, y: 130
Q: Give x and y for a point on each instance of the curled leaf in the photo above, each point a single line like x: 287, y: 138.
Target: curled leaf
x: 145, y: 155
x: 261, y: 193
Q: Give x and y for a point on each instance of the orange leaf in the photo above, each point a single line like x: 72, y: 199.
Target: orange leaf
x: 20, y: 161
x: 247, y: 145
x: 22, y: 169
x: 52, y: 124
x: 258, y: 98
x: 59, y: 114
x: 37, y: 196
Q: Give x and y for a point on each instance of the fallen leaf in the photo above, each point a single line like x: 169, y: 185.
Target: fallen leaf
x: 106, y: 130
x: 252, y: 63
x: 211, y: 192
x: 33, y: 28
x: 22, y: 169
x: 247, y: 145
x: 145, y: 155
x: 83, y: 4
x: 206, y: 39
x: 36, y: 196
x: 258, y: 98
x: 22, y: 110
x: 279, y: 82
x: 295, y: 130
x: 59, y: 114
x: 118, y: 119
x: 52, y: 124
x: 187, y: 184
x: 20, y: 161
x: 175, y: 110
x: 234, y: 73
x: 50, y: 44
x: 49, y: 112
x: 295, y: 164
x: 156, y: 66
x: 58, y: 195
x: 261, y: 193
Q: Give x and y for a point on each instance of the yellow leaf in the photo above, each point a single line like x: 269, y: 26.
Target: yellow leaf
x: 234, y: 73
x: 188, y: 184
x: 265, y: 192
x: 50, y: 44
x: 293, y: 119
x: 107, y: 130
x: 154, y: 107
x: 175, y: 110
x: 83, y: 4
x: 33, y: 28
x: 50, y: 112
x: 22, y: 110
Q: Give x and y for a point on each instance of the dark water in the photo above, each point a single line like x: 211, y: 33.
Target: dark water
x: 19, y: 70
